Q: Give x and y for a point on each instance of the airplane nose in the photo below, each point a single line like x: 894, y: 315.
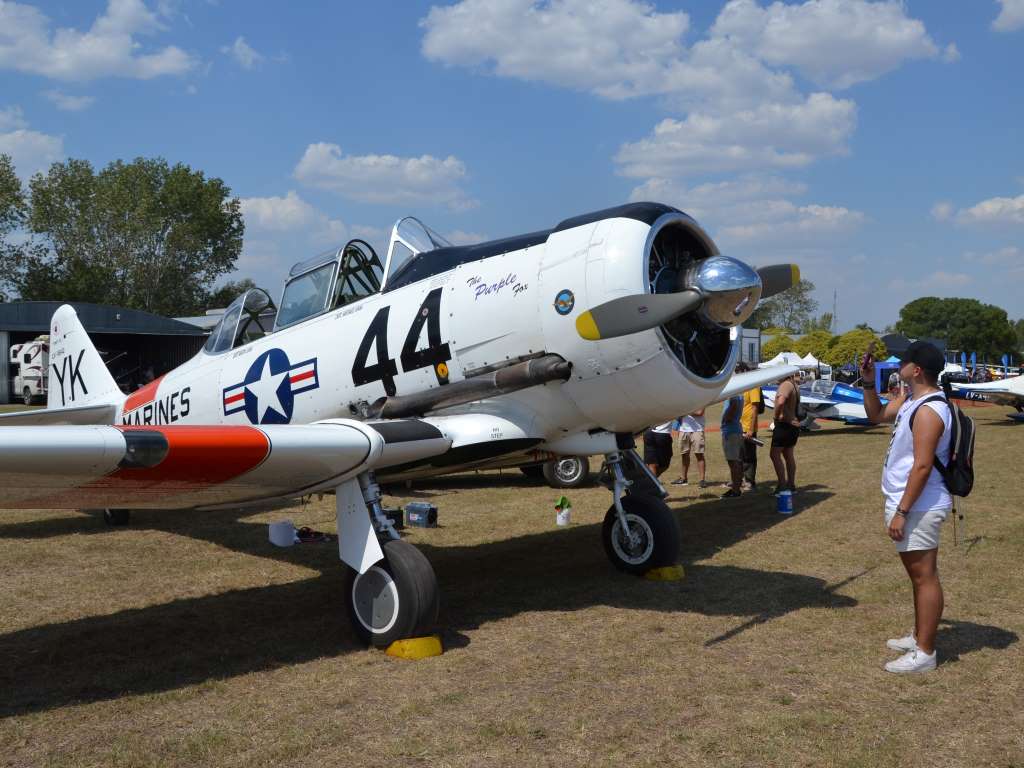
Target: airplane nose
x: 731, y: 289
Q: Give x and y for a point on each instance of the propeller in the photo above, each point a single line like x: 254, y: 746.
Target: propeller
x: 724, y: 289
x: 778, y: 278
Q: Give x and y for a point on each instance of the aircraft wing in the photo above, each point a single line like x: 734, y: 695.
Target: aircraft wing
x: 999, y: 392
x: 183, y: 467
x: 102, y: 413
x: 741, y: 382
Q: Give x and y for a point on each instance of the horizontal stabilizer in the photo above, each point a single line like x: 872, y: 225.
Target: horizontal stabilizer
x: 99, y: 414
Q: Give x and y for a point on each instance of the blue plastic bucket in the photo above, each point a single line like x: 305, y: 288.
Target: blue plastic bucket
x: 785, y: 503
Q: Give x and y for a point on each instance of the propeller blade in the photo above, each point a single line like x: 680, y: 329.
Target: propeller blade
x: 778, y: 278
x: 632, y: 314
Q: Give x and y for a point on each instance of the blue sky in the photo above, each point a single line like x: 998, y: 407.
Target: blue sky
x: 877, y: 144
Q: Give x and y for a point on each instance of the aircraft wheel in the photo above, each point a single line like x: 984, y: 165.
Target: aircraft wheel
x: 26, y: 396
x: 533, y: 471
x: 117, y: 516
x: 396, y: 598
x: 567, y: 472
x: 654, y: 540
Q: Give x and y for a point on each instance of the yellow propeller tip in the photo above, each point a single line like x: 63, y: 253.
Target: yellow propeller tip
x: 796, y: 273
x: 587, y: 328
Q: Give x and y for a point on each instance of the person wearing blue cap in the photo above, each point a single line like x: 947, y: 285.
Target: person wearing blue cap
x: 916, y: 498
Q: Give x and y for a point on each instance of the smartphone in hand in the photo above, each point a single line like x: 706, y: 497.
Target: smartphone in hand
x: 869, y: 356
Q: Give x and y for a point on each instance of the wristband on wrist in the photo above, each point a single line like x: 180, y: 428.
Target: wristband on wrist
x: 867, y: 386
x: 901, y: 512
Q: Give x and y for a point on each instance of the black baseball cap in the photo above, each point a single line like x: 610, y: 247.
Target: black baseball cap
x: 925, y: 355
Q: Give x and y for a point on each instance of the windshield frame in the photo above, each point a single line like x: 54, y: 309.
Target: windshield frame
x: 412, y: 234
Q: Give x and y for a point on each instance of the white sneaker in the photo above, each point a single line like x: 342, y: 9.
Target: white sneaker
x: 907, y: 643
x: 912, y: 661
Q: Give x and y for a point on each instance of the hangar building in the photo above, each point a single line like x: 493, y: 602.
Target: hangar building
x: 137, y: 346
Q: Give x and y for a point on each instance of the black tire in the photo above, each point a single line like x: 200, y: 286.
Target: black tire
x: 404, y: 575
x: 657, y: 529
x: 117, y: 516
x: 533, y: 471
x: 26, y: 396
x: 567, y: 472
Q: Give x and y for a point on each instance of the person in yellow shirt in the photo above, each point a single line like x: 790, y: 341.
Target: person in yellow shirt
x: 753, y: 406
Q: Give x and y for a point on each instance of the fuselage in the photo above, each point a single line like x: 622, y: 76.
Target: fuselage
x: 453, y: 323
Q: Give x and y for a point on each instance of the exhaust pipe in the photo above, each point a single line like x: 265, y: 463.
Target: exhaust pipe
x: 511, y: 378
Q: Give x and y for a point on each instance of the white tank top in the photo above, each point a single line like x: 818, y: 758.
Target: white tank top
x: 900, y: 460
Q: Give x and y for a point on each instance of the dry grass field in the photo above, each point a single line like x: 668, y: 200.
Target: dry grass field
x: 186, y: 639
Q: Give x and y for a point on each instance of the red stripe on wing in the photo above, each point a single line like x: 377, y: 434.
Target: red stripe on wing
x: 197, y: 458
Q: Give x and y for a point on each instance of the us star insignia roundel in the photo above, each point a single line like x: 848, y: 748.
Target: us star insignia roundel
x: 267, y: 395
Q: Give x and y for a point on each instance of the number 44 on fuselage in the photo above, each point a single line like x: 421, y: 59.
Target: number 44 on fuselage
x: 560, y: 342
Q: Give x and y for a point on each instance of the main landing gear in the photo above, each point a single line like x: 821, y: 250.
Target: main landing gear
x: 640, y: 533
x: 397, y: 597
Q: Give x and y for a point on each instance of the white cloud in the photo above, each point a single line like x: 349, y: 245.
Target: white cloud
x: 770, y: 136
x: 951, y: 54
x: 942, y: 210
x: 30, y: 151
x: 940, y: 282
x: 754, y: 210
x: 834, y: 43
x: 68, y: 103
x: 385, y: 178
x: 1010, y: 257
x: 107, y: 49
x: 243, y: 53
x: 995, y: 211
x: 292, y: 214
x: 460, y: 237
x: 1011, y: 16
x: 616, y: 48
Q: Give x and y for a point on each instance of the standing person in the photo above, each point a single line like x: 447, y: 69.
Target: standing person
x: 658, y: 447
x: 732, y: 444
x: 916, y: 498
x: 691, y: 440
x: 785, y: 434
x: 753, y: 406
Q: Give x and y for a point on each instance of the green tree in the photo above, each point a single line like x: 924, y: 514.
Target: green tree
x: 144, y: 234
x: 815, y: 343
x: 775, y: 345
x: 231, y: 290
x: 964, y: 324
x: 822, y: 323
x: 792, y: 309
x: 852, y: 345
x: 1018, y: 328
x: 12, y: 216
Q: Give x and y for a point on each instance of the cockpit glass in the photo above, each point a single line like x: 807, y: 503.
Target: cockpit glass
x: 410, y: 237
x: 306, y: 295
x: 223, y: 335
x: 241, y: 322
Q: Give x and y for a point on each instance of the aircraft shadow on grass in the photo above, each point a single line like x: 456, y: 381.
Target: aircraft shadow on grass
x: 195, y: 640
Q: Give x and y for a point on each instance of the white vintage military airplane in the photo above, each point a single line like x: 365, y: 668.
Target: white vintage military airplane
x: 561, y: 342
x: 1009, y: 391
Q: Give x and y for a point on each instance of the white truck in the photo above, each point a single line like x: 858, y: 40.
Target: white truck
x: 33, y: 361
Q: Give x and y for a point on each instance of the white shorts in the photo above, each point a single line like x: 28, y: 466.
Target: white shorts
x: 921, y: 530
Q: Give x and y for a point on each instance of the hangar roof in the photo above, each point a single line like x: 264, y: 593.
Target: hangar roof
x: 34, y: 317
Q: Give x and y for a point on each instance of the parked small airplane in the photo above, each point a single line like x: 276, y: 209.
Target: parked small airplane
x: 828, y: 400
x: 563, y: 342
x: 1008, y: 391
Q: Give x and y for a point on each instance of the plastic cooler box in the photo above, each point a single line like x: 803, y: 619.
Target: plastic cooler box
x: 421, y: 514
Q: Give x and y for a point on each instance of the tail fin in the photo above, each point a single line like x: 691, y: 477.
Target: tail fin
x: 78, y: 375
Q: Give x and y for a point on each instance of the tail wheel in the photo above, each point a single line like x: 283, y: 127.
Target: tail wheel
x: 653, y: 537
x: 26, y: 396
x: 396, y: 598
x: 567, y: 472
x: 117, y: 516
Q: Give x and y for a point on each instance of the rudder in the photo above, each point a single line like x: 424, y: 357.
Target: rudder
x: 78, y: 375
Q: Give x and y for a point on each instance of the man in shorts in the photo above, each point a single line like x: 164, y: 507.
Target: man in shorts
x: 785, y: 434
x: 691, y: 440
x: 732, y: 444
x: 916, y: 498
x: 658, y: 447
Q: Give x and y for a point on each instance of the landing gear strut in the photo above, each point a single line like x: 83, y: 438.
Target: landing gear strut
x: 640, y: 533
x: 396, y: 597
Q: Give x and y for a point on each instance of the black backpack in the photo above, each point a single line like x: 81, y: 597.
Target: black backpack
x: 958, y: 475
